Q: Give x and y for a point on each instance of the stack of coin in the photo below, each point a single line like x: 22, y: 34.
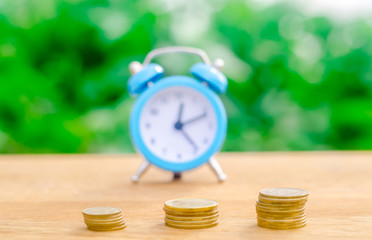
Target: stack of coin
x: 191, y: 213
x: 103, y: 219
x: 281, y: 208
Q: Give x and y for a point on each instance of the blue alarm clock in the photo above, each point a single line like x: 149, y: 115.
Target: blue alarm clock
x: 178, y: 122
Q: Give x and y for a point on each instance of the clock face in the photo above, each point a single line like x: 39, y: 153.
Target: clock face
x: 178, y: 124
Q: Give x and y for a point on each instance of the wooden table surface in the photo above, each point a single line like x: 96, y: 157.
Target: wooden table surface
x: 42, y: 196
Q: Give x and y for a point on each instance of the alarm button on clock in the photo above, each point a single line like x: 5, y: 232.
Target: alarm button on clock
x: 178, y: 124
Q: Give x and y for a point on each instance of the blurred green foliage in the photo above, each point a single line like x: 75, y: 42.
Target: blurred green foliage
x: 295, y: 83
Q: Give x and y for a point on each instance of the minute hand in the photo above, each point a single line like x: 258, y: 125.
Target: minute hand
x: 189, y: 139
x: 195, y: 119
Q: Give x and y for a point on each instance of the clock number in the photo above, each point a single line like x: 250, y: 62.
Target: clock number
x: 154, y: 111
x: 164, y: 151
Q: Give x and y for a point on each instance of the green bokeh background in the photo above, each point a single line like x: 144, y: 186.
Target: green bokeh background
x: 295, y: 82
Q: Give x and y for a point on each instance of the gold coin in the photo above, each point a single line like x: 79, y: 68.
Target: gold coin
x: 282, y: 221
x: 103, y: 222
x: 98, y: 220
x: 281, y: 205
x: 275, y: 209
x: 282, y: 201
x: 107, y: 229
x: 190, y: 214
x: 279, y: 213
x: 281, y: 227
x: 191, y: 205
x: 200, y: 222
x: 192, y: 218
x: 280, y: 217
x: 272, y: 209
x: 104, y: 217
x: 191, y: 226
x: 105, y: 225
x: 285, y: 193
x: 101, y: 212
x: 279, y: 209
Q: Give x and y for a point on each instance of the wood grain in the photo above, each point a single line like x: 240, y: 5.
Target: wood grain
x: 42, y: 196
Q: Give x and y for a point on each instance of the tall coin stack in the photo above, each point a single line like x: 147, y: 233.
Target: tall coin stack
x: 191, y: 213
x: 103, y: 219
x: 281, y: 208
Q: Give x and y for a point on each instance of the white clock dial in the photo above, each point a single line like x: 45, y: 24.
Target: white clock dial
x: 178, y: 124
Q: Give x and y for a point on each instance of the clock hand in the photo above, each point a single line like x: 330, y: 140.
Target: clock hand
x: 180, y: 112
x: 195, y: 119
x: 178, y: 125
x: 189, y: 139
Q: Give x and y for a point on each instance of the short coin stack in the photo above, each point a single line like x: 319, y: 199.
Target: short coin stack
x: 103, y: 219
x: 281, y: 208
x: 191, y: 213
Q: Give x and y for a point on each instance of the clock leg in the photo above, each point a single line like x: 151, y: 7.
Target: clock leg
x: 142, y: 168
x: 216, y: 168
